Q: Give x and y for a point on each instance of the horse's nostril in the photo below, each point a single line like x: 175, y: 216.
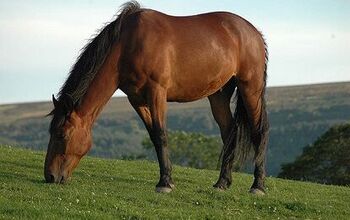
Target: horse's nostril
x: 62, y: 180
x: 49, y: 178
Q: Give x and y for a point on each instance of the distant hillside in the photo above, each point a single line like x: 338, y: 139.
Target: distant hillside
x: 298, y: 115
x: 115, y: 189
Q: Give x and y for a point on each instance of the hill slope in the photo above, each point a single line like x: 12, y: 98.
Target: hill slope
x: 298, y: 116
x: 111, y: 189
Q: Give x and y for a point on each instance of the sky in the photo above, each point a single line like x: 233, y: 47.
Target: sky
x: 308, y: 40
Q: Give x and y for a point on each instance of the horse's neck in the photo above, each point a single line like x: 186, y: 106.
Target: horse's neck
x: 101, y: 88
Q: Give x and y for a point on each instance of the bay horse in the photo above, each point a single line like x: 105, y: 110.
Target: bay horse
x: 155, y: 58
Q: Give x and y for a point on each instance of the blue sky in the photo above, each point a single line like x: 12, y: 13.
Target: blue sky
x: 309, y: 41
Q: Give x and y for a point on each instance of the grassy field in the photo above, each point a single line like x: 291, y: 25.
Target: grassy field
x: 116, y: 189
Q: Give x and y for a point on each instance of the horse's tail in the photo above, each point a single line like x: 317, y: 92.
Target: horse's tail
x: 241, y: 139
x: 97, y: 49
x: 264, y: 126
x: 238, y: 145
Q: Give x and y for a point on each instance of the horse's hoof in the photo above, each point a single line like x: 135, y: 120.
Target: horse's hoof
x: 257, y: 192
x: 219, y: 189
x: 163, y: 189
x: 219, y: 186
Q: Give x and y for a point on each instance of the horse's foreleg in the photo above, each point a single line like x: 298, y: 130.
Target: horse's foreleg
x: 157, y: 102
x: 152, y: 110
x: 152, y: 113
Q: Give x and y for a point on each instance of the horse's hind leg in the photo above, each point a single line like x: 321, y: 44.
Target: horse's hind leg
x: 252, y: 93
x: 220, y: 107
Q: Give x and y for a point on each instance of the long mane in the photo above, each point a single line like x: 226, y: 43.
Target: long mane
x: 89, y: 62
x: 94, y: 54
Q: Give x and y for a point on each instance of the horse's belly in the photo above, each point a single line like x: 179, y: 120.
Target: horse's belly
x: 195, y: 89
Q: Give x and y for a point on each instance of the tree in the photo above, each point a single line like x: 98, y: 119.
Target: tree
x: 326, y: 161
x: 190, y: 149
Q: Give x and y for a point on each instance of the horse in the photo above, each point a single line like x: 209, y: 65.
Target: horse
x: 156, y: 58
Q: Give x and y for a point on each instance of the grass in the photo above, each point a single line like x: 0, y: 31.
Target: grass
x: 116, y: 189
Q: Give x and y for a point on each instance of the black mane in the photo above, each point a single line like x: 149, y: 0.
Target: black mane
x: 90, y: 61
x: 94, y: 54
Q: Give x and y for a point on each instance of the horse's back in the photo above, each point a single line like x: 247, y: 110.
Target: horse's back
x: 177, y: 51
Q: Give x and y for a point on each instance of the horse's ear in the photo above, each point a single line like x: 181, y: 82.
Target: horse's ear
x: 68, y: 104
x: 54, y: 100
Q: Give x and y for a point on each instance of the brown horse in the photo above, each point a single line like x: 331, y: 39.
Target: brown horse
x: 154, y: 58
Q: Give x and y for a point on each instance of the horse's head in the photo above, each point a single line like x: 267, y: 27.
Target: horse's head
x: 70, y: 140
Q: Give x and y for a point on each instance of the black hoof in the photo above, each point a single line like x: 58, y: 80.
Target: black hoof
x: 165, y: 188
x: 222, y: 184
x: 165, y: 185
x: 257, y: 188
x: 257, y: 191
x: 219, y: 188
x: 162, y: 189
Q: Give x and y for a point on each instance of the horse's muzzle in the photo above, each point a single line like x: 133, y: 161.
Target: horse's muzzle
x: 50, y: 178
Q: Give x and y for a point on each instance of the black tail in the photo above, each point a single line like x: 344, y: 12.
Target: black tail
x: 241, y: 140
x: 263, y: 131
x: 239, y: 144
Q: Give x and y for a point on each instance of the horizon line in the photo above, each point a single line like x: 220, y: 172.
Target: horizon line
x: 123, y: 96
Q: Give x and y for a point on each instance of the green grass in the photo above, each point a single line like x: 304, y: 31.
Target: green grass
x: 115, y: 189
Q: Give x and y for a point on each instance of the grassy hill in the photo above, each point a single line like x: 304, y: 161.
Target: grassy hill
x: 298, y: 116
x: 116, y: 189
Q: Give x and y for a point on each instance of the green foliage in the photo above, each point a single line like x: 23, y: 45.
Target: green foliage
x: 190, y: 149
x: 325, y: 161
x: 115, y: 189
